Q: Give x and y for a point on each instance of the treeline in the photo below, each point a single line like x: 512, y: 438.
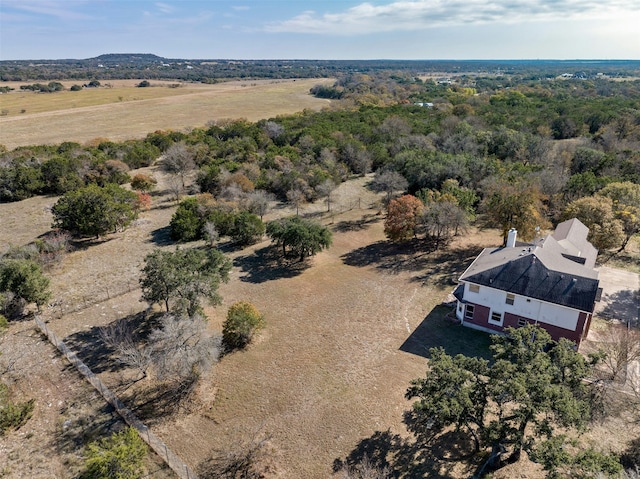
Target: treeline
x: 152, y: 67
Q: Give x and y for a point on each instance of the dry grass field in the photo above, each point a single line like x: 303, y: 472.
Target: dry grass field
x: 325, y: 380
x: 124, y: 111
x: 327, y: 373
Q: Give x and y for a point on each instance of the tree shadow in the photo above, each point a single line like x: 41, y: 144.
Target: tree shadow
x: 447, y: 265
x: 624, y: 306
x: 404, y: 457
x: 99, y: 356
x: 356, y: 225
x: 151, y: 404
x: 81, y: 425
x: 83, y: 244
x: 267, y: 264
x: 440, y: 328
x: 391, y: 257
x: 161, y: 236
x: 92, y: 351
x: 620, y: 259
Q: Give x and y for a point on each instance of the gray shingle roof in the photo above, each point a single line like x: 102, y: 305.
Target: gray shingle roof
x: 536, y: 272
x: 572, y: 236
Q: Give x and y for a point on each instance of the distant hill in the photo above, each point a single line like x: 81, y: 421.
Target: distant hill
x: 127, y: 58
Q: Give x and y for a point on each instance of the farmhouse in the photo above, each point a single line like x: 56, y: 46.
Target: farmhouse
x: 550, y: 282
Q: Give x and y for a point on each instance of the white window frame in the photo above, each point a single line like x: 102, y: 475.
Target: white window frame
x: 511, y: 299
x: 496, y: 322
x: 474, y: 288
x: 469, y: 308
x: 522, y: 322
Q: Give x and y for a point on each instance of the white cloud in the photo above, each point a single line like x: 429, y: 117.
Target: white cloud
x: 411, y: 15
x: 164, y: 7
x: 63, y: 10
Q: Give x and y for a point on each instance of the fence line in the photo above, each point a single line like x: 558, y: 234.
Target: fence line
x: 60, y: 308
x: 172, y: 460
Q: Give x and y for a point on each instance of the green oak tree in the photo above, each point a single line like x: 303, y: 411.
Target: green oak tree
x: 95, y: 210
x: 22, y: 282
x: 299, y: 236
x: 119, y: 456
x: 626, y: 206
x: 597, y: 213
x: 533, y: 386
x: 180, y: 279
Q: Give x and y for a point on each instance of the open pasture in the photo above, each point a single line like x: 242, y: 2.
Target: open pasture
x: 124, y: 111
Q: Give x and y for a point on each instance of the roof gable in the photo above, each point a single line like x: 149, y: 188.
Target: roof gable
x: 572, y: 236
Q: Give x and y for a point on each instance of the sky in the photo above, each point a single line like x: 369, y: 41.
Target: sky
x: 328, y: 29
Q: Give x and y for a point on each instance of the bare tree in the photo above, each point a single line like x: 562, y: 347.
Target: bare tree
x: 121, y: 337
x: 389, y: 181
x: 178, y: 351
x: 296, y: 197
x: 273, y: 129
x: 210, y: 232
x: 175, y: 187
x: 443, y: 219
x: 181, y: 348
x: 362, y: 162
x: 325, y: 189
x: 178, y: 160
x: 258, y: 202
x: 622, y: 348
x: 249, y: 459
x: 365, y: 469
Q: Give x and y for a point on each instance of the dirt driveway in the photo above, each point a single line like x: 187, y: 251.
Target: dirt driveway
x: 620, y: 295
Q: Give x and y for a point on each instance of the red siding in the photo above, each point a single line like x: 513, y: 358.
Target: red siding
x: 511, y: 320
x: 481, y: 318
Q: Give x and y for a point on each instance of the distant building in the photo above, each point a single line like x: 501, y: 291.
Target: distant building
x: 550, y: 282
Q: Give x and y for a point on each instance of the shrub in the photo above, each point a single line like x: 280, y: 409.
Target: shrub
x: 249, y: 459
x: 120, y: 456
x: 25, y: 283
x: 247, y: 228
x: 186, y: 223
x: 243, y: 320
x: 142, y: 182
x: 13, y: 415
x: 144, y: 201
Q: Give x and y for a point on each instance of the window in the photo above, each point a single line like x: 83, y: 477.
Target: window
x: 474, y: 288
x: 496, y: 318
x: 468, y: 312
x: 511, y: 298
x: 522, y: 322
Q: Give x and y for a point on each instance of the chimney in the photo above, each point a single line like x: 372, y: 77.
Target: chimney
x: 511, y: 238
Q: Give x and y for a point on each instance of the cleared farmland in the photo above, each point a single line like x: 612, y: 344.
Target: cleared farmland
x: 124, y: 111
